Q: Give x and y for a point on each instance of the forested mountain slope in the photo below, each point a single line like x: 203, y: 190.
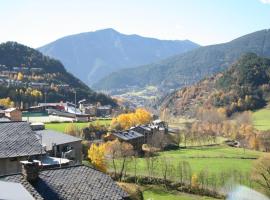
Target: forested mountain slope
x: 26, y: 75
x: 244, y: 86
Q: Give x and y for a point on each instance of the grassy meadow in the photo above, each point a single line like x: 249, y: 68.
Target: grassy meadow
x: 62, y: 126
x: 213, y: 159
x: 159, y: 193
x: 261, y: 119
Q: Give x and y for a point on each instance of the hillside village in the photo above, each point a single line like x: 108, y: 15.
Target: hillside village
x: 29, y: 151
x: 128, y: 147
x: 171, y: 102
x: 131, y: 150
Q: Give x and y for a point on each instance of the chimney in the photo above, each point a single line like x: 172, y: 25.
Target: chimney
x: 30, y: 170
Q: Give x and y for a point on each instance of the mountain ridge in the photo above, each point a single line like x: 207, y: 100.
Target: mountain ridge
x: 189, y: 67
x: 92, y: 55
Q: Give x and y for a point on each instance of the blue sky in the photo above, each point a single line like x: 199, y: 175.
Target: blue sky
x: 36, y: 22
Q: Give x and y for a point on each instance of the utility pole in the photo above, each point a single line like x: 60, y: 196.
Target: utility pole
x: 45, y: 97
x: 75, y: 104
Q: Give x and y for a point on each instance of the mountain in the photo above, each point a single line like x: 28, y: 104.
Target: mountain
x: 91, y: 56
x: 26, y: 75
x: 190, y: 67
x: 243, y: 86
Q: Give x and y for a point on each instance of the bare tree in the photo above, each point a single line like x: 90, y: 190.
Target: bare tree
x: 261, y: 172
x: 121, y: 151
x: 150, y: 164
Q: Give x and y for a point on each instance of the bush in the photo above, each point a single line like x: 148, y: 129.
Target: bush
x: 169, y: 147
x: 133, y: 190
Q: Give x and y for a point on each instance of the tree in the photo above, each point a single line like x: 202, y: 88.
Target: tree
x: 261, y: 172
x: 20, y: 76
x: 194, y: 181
x: 184, y: 171
x: 6, y: 102
x: 72, y: 129
x: 120, y: 151
x: 142, y: 116
x: 127, y: 120
x: 264, y: 140
x: 96, y: 154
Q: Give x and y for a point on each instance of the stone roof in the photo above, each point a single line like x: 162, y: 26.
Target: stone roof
x: 128, y: 135
x: 17, y: 139
x: 50, y: 136
x: 76, y: 182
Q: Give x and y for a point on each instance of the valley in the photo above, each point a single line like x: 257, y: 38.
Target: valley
x: 170, y: 103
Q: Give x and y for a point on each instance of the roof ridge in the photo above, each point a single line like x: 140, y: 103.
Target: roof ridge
x: 14, y: 122
x: 64, y: 167
x: 49, y: 169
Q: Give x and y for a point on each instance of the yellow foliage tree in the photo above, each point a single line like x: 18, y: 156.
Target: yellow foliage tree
x: 142, y: 116
x: 20, y: 76
x: 36, y: 93
x: 125, y: 121
x: 96, y: 154
x: 6, y: 102
x: 194, y: 181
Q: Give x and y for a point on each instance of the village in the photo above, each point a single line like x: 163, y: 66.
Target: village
x: 28, y: 147
x: 135, y: 100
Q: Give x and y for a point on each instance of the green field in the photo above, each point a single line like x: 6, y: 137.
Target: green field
x: 159, y: 193
x: 61, y: 126
x: 215, y: 160
x: 261, y: 119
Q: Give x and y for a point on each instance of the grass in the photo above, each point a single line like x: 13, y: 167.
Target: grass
x: 159, y: 193
x: 62, y: 126
x: 213, y: 159
x: 261, y: 119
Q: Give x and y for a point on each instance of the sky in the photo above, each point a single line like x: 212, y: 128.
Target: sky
x: 38, y: 22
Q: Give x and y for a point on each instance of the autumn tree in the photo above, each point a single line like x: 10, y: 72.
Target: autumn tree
x: 261, y: 172
x: 142, y: 116
x: 167, y: 168
x: 72, y: 129
x: 20, y: 76
x: 119, y: 153
x: 264, y: 140
x: 6, y: 102
x: 127, y: 120
x: 96, y: 154
x: 194, y: 181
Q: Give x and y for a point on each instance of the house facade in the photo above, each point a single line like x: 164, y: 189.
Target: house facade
x: 61, y: 145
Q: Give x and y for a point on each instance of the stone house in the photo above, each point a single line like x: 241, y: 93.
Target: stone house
x: 17, y: 143
x: 134, y: 138
x: 61, y: 145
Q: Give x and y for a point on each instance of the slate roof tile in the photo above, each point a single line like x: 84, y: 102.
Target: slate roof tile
x: 17, y: 139
x: 76, y: 182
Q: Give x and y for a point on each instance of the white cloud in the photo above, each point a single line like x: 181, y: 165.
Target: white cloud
x: 265, y: 1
